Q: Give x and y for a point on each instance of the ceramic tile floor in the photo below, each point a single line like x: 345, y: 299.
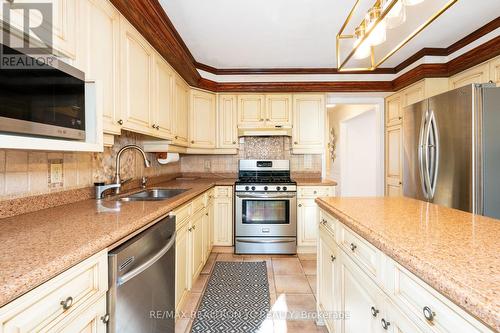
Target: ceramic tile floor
x: 292, y: 285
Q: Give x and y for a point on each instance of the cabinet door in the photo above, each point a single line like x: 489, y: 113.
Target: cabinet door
x: 307, y: 222
x: 227, y: 122
x: 210, y: 208
x: 278, y: 110
x: 413, y: 94
x: 202, y: 120
x: 357, y: 295
x: 181, y: 102
x: 223, y: 222
x: 196, y: 234
x: 393, y: 110
x: 87, y: 321
x: 251, y: 111
x: 137, y: 80
x: 495, y: 70
x: 308, y: 123
x: 326, y: 279
x: 394, y: 172
x: 478, y: 74
x: 164, y: 101
x: 397, y: 322
x: 182, y: 264
x: 206, y: 235
x: 99, y: 55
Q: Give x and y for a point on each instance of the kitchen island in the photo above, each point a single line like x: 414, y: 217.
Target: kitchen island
x: 405, y: 243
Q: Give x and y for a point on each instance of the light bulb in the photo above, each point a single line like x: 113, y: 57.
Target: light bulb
x: 364, y: 49
x: 397, y: 14
x: 378, y: 34
x: 412, y: 2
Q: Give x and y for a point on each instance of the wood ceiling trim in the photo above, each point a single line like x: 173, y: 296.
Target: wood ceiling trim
x: 428, y: 51
x: 149, y: 18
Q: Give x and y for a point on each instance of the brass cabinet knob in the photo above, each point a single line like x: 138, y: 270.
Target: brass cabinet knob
x: 295, y: 143
x: 385, y: 324
x: 67, y: 303
x: 268, y: 119
x: 234, y: 142
x: 158, y: 127
x: 192, y: 141
x: 120, y: 122
x: 332, y: 258
x: 176, y: 137
x: 105, y: 318
x: 154, y: 125
x: 374, y: 311
x: 353, y: 247
x: 190, y: 229
x: 428, y: 313
x: 261, y: 119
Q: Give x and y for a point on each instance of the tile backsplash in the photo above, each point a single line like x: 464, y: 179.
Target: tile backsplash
x: 275, y: 147
x: 24, y: 173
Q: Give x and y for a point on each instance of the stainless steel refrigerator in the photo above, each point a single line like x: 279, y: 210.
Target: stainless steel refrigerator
x: 452, y: 150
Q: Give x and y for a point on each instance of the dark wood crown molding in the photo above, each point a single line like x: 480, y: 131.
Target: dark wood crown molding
x: 149, y: 18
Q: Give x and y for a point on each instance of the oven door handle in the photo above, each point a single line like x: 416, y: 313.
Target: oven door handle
x: 265, y: 196
x: 266, y: 241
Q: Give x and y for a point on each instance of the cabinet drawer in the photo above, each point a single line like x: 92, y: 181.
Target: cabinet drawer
x: 182, y: 214
x: 42, y: 306
x: 413, y: 296
x: 224, y: 191
x: 328, y: 222
x: 313, y: 191
x: 363, y: 253
x: 199, y: 203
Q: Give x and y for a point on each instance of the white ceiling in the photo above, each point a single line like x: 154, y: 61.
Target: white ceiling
x: 298, y: 33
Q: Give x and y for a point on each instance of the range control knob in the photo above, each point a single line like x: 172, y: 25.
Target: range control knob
x: 278, y: 188
x: 265, y: 188
x: 284, y: 188
x: 253, y: 188
x: 247, y: 188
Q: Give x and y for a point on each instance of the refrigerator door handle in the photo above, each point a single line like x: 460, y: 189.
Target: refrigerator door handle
x: 433, y: 158
x: 422, y: 155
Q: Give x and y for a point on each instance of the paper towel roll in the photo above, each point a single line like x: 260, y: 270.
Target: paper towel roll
x: 171, y: 157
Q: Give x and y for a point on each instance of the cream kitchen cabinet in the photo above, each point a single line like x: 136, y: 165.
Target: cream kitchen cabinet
x: 327, y: 267
x: 251, y: 111
x: 163, y: 107
x: 393, y: 110
x: 477, y: 74
x: 307, y: 216
x: 62, y: 27
x: 223, y: 216
x: 227, y: 121
x: 73, y: 299
x: 308, y: 124
x: 495, y: 70
x: 137, y: 61
x: 196, y: 245
x: 99, y: 55
x: 278, y: 111
x: 394, y: 160
x: 202, y: 120
x: 182, y: 264
x: 181, y: 106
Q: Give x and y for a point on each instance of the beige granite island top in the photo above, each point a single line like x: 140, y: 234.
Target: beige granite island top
x: 304, y: 181
x: 38, y: 246
x: 455, y: 252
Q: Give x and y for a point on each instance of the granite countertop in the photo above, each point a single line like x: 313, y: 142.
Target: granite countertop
x: 314, y: 181
x: 455, y: 252
x: 37, y: 246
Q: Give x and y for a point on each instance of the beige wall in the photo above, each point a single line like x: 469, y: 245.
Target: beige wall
x: 25, y: 173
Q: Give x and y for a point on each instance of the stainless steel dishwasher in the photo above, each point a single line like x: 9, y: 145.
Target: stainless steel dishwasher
x: 141, y: 297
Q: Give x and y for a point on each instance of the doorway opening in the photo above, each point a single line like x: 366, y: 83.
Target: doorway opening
x: 354, y: 157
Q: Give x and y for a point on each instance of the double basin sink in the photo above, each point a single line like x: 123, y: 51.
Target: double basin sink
x: 156, y: 194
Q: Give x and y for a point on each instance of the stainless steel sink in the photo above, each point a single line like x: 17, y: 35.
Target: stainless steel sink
x: 156, y: 194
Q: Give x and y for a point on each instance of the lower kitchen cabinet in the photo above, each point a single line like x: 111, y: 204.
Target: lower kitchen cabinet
x: 181, y: 264
x: 394, y: 301
x: 196, y: 245
x: 223, y: 216
x: 90, y: 319
x: 307, y: 216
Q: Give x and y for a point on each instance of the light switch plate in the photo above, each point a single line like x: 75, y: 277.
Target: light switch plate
x: 207, y: 165
x: 307, y: 161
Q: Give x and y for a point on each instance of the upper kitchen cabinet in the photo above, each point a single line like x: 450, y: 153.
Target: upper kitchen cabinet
x: 278, y: 111
x: 181, y: 110
x: 393, y: 110
x: 99, y: 56
x: 137, y: 61
x: 62, y: 27
x: 251, y: 111
x: 495, y: 70
x: 477, y: 74
x: 227, y: 122
x: 163, y: 116
x: 202, y: 120
x: 308, y: 124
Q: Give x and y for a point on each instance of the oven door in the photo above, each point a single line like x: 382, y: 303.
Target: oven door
x: 263, y: 214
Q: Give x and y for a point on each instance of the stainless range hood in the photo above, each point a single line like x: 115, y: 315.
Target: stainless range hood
x: 279, y: 131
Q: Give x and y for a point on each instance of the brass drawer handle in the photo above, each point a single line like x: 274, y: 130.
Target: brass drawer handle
x: 66, y: 304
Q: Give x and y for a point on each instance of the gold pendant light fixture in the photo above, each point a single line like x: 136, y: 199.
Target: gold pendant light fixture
x: 372, y: 32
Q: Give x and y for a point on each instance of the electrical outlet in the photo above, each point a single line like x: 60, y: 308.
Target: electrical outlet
x: 207, y: 165
x: 56, y: 177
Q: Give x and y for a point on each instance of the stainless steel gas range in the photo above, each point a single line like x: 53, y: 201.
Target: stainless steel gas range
x: 266, y: 208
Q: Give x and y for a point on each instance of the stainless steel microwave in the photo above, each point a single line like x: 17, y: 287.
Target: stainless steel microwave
x: 47, y: 101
